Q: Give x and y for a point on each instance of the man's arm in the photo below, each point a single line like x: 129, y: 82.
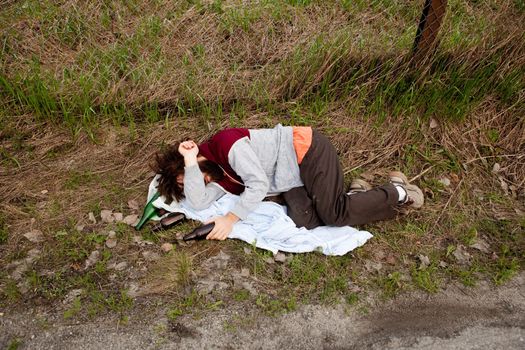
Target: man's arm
x: 245, y: 163
x: 198, y: 194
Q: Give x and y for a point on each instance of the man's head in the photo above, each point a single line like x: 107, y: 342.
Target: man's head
x: 169, y: 164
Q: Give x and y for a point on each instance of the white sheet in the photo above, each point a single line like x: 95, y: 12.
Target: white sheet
x: 268, y: 227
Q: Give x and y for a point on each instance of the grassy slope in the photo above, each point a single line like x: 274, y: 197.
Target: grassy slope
x: 89, y: 90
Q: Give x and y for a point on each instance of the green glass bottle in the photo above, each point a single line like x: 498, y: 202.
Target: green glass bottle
x: 149, y: 211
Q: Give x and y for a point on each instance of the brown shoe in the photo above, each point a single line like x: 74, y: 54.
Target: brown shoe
x: 415, y: 198
x: 359, y: 185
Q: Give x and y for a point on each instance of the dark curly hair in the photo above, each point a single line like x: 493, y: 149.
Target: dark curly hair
x: 169, y: 164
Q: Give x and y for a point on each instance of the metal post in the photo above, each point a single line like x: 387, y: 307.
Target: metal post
x: 428, y: 28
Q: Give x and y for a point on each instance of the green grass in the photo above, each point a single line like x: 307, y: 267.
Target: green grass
x: 111, y: 80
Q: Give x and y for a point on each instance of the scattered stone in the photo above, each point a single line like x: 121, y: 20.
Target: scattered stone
x: 443, y: 264
x: 112, y: 234
x: 481, y: 245
x: 496, y: 168
x: 131, y: 220
x: 133, y: 204
x: 461, y: 255
x: 433, y: 123
x: 111, y: 243
x: 245, y: 272
x: 32, y: 255
x: 379, y: 254
x: 150, y: 256
x: 118, y: 217
x: 41, y: 205
x: 504, y: 185
x: 247, y: 250
x: 269, y: 260
x: 391, y: 259
x: 121, y: 266
x: 19, y: 272
x: 248, y: 285
x: 133, y: 290
x: 140, y: 242
x: 72, y: 295
x: 352, y: 287
x: 280, y: 257
x: 80, y: 227
x: 92, y: 259
x: 107, y: 216
x: 34, y: 236
x: 445, y: 181
x: 44, y: 191
x: 92, y: 218
x: 371, y: 266
x: 166, y: 247
x: 207, y: 286
x: 424, y: 261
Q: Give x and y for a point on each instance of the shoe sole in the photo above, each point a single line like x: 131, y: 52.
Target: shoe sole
x: 359, y: 185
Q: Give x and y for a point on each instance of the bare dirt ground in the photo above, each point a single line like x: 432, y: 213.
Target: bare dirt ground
x: 484, y: 317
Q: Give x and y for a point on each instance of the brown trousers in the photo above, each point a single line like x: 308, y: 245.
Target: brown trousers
x: 323, y: 200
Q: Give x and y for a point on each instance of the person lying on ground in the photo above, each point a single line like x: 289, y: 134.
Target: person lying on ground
x: 299, y: 163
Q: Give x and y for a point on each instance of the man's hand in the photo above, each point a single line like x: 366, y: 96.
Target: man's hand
x: 223, y: 226
x: 189, y: 151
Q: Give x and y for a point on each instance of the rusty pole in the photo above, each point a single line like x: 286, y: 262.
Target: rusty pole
x: 428, y: 29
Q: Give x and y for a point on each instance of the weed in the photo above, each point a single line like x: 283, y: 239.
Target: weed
x: 241, y: 295
x: 10, y: 290
x: 4, y: 232
x: 14, y: 344
x: 352, y: 298
x: 390, y: 285
x: 275, y: 307
x: 75, y: 308
x: 426, y: 279
x: 190, y: 303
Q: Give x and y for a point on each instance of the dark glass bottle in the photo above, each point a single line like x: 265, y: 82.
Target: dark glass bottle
x: 199, y: 232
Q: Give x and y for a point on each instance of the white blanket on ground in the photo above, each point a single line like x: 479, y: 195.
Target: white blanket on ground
x: 268, y: 227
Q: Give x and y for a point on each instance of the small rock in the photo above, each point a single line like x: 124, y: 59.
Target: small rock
x: 280, y: 257
x: 249, y: 287
x: 121, y: 266
x: 353, y: 287
x: 111, y: 243
x: 461, y: 255
x: 133, y: 204
x: 373, y: 266
x: 72, y: 295
x: 44, y: 191
x: 112, y: 234
x: 443, y: 264
x: 92, y: 259
x: 247, y: 250
x: 166, y: 247
x: 131, y: 220
x: 92, y: 218
x: 445, y: 181
x: 245, y: 272
x: 32, y: 255
x: 80, y: 227
x: 424, y: 261
x: 150, y: 256
x: 481, y: 245
x: 433, y: 123
x: 269, y: 260
x: 133, y: 290
x: 118, y: 217
x: 391, y: 259
x: 504, y: 185
x: 107, y: 216
x: 496, y: 168
x: 34, y: 236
